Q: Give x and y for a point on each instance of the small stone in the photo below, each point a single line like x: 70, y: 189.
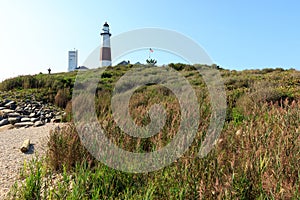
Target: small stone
x: 25, y: 119
x: 38, y: 123
x: 19, y: 110
x: 239, y: 132
x: 56, y: 119
x: 6, y: 111
x: 32, y: 115
x: 3, y: 122
x: 13, y: 120
x: 220, y: 141
x: 7, y: 105
x: 23, y: 124
x: 14, y: 114
x: 34, y: 119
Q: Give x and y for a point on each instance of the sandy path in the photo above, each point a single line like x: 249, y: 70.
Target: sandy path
x: 12, y: 159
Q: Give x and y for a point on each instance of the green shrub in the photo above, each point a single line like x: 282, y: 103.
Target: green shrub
x: 31, y: 187
x: 106, y: 74
x: 65, y: 149
x: 237, y: 116
x: 177, y: 66
x: 267, y: 70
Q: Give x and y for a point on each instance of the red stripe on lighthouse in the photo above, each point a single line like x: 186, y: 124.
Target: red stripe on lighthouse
x: 105, y: 53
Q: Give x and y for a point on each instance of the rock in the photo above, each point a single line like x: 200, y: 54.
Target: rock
x: 6, y: 111
x: 6, y: 100
x: 13, y: 106
x: 38, y: 123
x: 32, y: 115
x: 4, y: 122
x: 13, y: 120
x: 48, y: 115
x: 27, y: 112
x: 14, y: 114
x: 23, y: 124
x: 56, y: 119
x: 239, y: 132
x: 25, y: 119
x: 34, y: 119
x: 25, y: 146
x: 19, y: 110
x: 24, y: 112
x: 7, y: 105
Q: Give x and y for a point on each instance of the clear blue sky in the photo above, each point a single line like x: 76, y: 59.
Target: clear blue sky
x: 237, y: 34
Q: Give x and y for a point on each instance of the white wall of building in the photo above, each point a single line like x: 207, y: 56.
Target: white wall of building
x: 73, y: 60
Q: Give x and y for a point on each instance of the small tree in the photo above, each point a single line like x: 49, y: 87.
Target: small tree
x: 151, y: 61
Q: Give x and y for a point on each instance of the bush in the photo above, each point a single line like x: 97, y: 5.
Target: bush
x: 62, y: 97
x: 261, y: 92
x: 177, y: 66
x: 237, y: 116
x: 65, y: 149
x: 106, y: 75
x: 267, y: 70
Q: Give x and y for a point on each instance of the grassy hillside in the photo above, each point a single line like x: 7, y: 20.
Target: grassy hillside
x: 257, y: 155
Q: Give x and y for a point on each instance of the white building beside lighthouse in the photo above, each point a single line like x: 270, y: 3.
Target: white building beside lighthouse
x: 105, y: 52
x: 73, y: 60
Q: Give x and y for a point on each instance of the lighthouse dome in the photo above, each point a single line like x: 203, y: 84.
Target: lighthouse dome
x: 106, y: 24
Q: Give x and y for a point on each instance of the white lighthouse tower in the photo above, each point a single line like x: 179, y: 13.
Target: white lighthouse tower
x: 105, y: 53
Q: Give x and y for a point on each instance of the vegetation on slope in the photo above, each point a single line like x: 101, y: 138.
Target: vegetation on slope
x: 257, y: 155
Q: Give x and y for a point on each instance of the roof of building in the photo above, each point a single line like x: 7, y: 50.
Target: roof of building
x: 124, y: 62
x: 81, y: 68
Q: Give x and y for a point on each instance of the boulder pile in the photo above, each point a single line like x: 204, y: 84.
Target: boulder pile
x: 27, y: 113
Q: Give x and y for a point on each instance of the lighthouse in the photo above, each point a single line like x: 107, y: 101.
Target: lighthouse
x: 105, y: 53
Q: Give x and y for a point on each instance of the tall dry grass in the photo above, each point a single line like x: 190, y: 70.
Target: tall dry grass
x: 257, y: 155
